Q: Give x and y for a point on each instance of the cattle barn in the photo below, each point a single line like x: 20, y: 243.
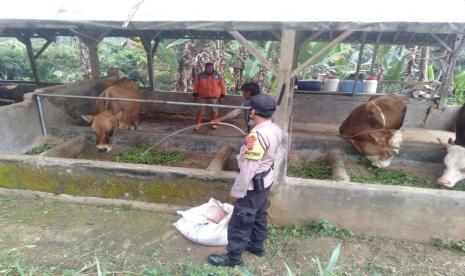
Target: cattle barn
x: 310, y: 120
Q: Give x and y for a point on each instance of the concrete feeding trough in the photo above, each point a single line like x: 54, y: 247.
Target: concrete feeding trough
x: 73, y: 167
x: 374, y: 209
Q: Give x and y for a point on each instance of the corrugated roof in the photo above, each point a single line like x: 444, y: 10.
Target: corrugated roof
x: 403, y: 22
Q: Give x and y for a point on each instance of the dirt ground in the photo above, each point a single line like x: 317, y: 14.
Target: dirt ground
x: 41, y: 237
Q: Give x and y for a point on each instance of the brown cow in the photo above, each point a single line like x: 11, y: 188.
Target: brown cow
x: 372, y: 128
x: 104, y: 125
x: 105, y: 122
x: 123, y: 88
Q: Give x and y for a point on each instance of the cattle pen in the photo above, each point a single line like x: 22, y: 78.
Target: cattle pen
x: 309, y: 121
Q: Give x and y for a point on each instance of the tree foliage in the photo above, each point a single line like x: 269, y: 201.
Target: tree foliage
x: 60, y: 62
x: 14, y: 64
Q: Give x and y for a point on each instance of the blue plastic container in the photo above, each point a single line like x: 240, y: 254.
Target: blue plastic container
x: 309, y: 85
x: 346, y: 86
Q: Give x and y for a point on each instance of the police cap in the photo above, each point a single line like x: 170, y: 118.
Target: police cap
x: 264, y: 105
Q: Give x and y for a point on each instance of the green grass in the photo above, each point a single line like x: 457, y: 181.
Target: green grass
x: 388, y: 177
x: 318, y: 228
x: 449, y: 244
x: 145, y: 154
x: 39, y: 149
x: 315, y: 170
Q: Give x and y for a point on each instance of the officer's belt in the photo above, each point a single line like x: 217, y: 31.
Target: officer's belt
x: 265, y: 173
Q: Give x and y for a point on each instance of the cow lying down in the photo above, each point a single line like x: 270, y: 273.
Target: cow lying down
x: 455, y: 157
x: 455, y: 165
x: 373, y: 128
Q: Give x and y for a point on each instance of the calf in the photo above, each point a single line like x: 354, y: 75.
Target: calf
x: 455, y: 157
x: 123, y: 88
x: 104, y: 125
x: 373, y: 128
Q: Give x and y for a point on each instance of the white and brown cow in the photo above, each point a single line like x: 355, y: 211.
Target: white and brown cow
x: 111, y: 115
x: 455, y: 157
x: 373, y: 128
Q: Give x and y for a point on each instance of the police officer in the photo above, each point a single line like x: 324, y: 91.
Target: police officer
x: 247, y: 229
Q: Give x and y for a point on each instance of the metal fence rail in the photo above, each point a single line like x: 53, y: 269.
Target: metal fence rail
x: 41, y: 112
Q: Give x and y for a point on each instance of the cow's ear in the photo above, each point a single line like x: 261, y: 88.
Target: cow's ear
x: 119, y: 115
x: 88, y: 118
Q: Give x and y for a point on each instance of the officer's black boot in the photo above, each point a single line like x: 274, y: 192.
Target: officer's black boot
x: 224, y: 260
x: 256, y: 250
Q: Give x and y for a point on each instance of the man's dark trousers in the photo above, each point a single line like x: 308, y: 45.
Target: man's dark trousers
x: 248, y: 223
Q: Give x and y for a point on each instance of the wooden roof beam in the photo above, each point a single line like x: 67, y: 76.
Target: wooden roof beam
x: 444, y: 90
x: 411, y: 38
x: 25, y: 38
x: 308, y: 62
x: 444, y: 44
x: 314, y: 36
x: 375, y: 51
x: 44, y: 47
x: 276, y: 34
x: 395, y: 37
x: 254, y: 52
x: 359, y: 63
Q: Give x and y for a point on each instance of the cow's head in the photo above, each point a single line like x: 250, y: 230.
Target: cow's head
x: 379, y: 147
x: 455, y: 165
x: 104, y: 125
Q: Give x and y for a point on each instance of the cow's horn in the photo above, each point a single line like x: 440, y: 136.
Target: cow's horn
x: 446, y: 145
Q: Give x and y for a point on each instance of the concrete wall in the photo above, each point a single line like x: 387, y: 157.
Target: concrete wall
x: 15, y: 91
x: 20, y: 123
x: 151, y: 109
x: 382, y: 211
x: 185, y: 142
x: 19, y: 126
x: 307, y: 108
x: 334, y: 109
x: 149, y: 183
x: 65, y: 110
x: 320, y: 143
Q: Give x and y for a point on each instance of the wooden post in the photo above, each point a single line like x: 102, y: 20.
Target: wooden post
x: 91, y: 48
x: 91, y: 39
x: 444, y: 44
x: 147, y: 43
x: 284, y: 110
x: 254, y: 52
x: 424, y: 63
x: 26, y: 40
x: 218, y: 163
x: 459, y: 44
x: 336, y: 160
x: 375, y: 52
x: 359, y: 63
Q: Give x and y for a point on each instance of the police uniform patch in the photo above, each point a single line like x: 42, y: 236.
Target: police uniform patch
x: 254, y: 149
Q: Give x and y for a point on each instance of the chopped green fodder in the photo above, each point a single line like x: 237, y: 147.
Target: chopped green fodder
x: 39, y: 149
x: 145, y: 154
x: 315, y: 170
x: 388, y: 177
